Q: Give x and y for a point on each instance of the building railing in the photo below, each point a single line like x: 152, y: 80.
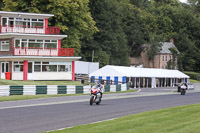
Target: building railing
x: 29, y: 29
x: 33, y: 51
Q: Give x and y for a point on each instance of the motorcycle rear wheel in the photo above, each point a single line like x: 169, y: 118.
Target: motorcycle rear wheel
x: 91, y: 100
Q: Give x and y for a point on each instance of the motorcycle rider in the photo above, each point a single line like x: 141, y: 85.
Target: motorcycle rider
x: 100, y: 87
x: 184, y: 86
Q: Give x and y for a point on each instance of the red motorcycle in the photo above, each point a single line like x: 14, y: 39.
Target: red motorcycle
x: 95, y: 96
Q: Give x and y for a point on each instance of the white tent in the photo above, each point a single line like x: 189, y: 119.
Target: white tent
x: 122, y: 71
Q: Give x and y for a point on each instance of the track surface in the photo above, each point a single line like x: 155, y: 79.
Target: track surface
x: 29, y: 116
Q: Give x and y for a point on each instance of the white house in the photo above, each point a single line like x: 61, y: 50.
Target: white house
x: 31, y: 50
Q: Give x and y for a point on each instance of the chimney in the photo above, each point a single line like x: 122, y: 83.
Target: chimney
x: 172, y: 40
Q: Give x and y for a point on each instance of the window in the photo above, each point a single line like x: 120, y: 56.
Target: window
x: 4, y: 21
x: 17, y: 43
x: 18, y: 66
x: 32, y: 43
x: 4, y: 45
x: 37, y: 67
x: 52, y: 66
x: 163, y: 58
x: 49, y: 68
x: 170, y: 57
x: 166, y: 58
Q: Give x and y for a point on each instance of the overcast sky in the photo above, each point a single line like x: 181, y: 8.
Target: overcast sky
x: 183, y: 1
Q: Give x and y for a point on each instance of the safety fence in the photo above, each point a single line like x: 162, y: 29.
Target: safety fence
x: 7, y: 90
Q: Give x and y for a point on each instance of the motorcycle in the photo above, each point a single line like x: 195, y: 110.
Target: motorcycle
x: 183, y: 89
x: 95, y: 96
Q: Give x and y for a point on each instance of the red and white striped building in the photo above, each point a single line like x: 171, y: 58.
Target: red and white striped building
x: 31, y: 50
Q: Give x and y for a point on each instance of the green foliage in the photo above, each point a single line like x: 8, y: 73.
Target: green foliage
x: 110, y: 40
x: 193, y: 75
x: 123, y: 27
x: 154, y: 47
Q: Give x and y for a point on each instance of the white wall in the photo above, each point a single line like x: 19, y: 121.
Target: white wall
x: 44, y: 76
x: 82, y: 67
x: 17, y: 75
x: 52, y: 76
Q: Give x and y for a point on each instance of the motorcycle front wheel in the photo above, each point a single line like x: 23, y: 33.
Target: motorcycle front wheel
x: 97, y: 103
x: 91, y: 100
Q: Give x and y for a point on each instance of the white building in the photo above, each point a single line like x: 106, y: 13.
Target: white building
x: 31, y: 50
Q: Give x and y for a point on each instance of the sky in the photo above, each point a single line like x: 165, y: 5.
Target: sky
x: 183, y: 1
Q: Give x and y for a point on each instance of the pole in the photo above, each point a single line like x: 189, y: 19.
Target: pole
x: 92, y: 55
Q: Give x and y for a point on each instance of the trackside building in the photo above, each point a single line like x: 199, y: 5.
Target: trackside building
x: 31, y: 50
x: 139, y: 77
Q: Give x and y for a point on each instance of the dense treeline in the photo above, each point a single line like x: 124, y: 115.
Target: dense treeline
x: 114, y: 30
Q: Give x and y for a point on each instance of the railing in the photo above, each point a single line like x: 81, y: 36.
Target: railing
x: 30, y: 51
x: 29, y: 29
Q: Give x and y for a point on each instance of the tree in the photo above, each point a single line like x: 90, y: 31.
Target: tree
x: 111, y: 39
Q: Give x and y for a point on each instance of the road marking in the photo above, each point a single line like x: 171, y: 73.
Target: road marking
x: 82, y: 124
x: 85, y: 100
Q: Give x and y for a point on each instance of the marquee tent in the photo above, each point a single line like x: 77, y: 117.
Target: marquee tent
x: 140, y: 76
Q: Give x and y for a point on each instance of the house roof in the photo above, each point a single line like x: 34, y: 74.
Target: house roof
x: 39, y: 58
x: 31, y: 36
x: 121, y: 71
x: 23, y: 14
x: 165, y: 48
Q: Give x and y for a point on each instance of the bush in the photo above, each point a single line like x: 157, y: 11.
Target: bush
x: 193, y: 75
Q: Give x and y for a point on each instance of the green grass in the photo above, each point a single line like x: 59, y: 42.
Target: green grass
x: 194, y: 81
x: 182, y: 119
x: 20, y: 82
x: 25, y: 97
x: 121, y: 91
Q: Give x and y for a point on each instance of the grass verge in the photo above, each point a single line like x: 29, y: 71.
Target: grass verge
x: 20, y: 82
x: 26, y: 97
x: 182, y: 119
x: 194, y: 81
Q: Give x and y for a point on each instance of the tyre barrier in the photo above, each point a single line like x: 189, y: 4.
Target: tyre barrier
x: 7, y: 90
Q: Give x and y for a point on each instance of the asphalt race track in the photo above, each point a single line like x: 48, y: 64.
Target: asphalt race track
x: 34, y: 116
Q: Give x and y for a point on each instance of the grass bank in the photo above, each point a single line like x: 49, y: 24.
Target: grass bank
x: 194, y: 81
x: 182, y: 119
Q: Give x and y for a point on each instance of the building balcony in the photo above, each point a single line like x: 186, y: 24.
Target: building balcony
x: 29, y: 51
x: 29, y: 29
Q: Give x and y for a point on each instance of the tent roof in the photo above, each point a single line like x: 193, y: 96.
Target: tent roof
x: 121, y: 71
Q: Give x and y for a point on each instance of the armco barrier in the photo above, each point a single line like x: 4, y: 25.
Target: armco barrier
x: 6, y: 90
x: 29, y: 90
x: 62, y: 89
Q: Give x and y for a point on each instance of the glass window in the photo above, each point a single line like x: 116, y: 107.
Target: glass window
x: 53, y: 40
x: 163, y: 58
x: 34, y: 19
x: 17, y: 43
x: 50, y: 45
x: 166, y: 58
x: 49, y: 68
x: 45, y: 62
x: 38, y: 63
x: 34, y: 45
x: 37, y: 24
x: 24, y: 44
x: 4, y: 45
x: 18, y: 68
x: 4, y: 21
x: 47, y: 40
x: 37, y: 68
